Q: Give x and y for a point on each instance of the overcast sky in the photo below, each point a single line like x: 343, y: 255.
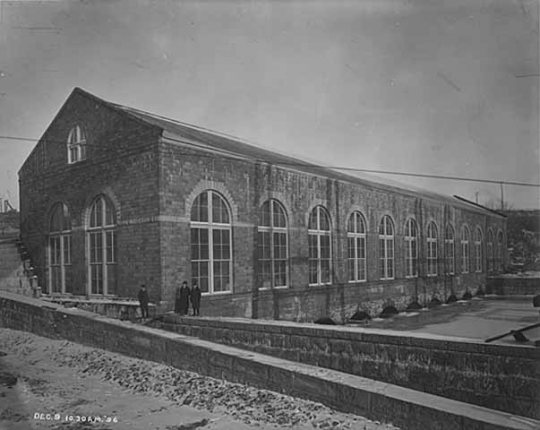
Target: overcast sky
x: 437, y: 87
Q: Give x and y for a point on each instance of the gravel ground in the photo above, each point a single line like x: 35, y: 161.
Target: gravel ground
x: 69, y: 379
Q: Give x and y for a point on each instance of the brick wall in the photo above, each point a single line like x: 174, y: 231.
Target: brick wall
x: 501, y: 377
x: 245, y: 185
x: 121, y: 164
x: 153, y: 180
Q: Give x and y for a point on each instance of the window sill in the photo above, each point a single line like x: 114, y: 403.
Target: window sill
x: 219, y: 293
x: 282, y: 287
x: 73, y: 163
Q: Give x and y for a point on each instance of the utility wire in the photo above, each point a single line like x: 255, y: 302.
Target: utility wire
x: 352, y: 169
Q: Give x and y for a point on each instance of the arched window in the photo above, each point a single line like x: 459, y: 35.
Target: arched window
x: 449, y: 250
x: 432, y: 249
x: 490, y: 257
x: 102, y: 247
x: 411, y: 249
x: 500, y: 252
x: 76, y: 144
x: 386, y: 248
x: 356, y: 246
x: 465, y: 251
x: 319, y: 246
x: 272, y: 245
x: 478, y: 250
x: 211, y: 243
x: 60, y: 276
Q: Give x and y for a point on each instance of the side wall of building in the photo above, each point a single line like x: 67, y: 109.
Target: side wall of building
x: 246, y: 185
x: 121, y: 164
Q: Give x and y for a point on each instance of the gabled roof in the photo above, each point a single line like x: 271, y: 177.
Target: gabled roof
x: 229, y: 145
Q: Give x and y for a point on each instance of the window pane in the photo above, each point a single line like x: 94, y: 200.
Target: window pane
x: 390, y: 268
x: 73, y: 154
x: 390, y: 248
x: 220, y: 214
x: 53, y: 250
x: 96, y: 213
x: 325, y: 271
x: 96, y: 281
x: 313, y: 272
x: 266, y: 274
x: 199, y: 274
x: 199, y: 211
x: 66, y: 219
x: 351, y: 224
x: 351, y: 269
x: 324, y: 221
x: 82, y: 149
x: 280, y: 276
x: 279, y: 216
x: 313, y: 248
x: 56, y: 279
x: 216, y: 244
x: 389, y: 227
x: 350, y: 247
x: 362, y: 269
x: 110, y: 251
x: 221, y: 276
x: 67, y: 249
x: 361, y: 247
x: 264, y: 245
x: 266, y: 215
x: 325, y: 246
x: 361, y: 224
x: 280, y: 246
x: 96, y: 248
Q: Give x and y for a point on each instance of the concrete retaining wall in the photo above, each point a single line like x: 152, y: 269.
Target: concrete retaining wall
x: 406, y: 408
x: 513, y: 286
x: 500, y: 377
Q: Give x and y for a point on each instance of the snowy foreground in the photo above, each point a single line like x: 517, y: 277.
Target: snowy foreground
x: 50, y: 384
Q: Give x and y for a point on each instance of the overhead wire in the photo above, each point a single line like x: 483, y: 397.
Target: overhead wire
x: 343, y: 168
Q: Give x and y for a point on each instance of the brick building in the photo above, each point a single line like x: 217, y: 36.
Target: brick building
x: 113, y: 197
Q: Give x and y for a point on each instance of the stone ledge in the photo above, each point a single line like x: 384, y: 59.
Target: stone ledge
x: 361, y: 334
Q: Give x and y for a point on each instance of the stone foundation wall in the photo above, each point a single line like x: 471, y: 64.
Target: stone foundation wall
x: 506, y: 378
x: 408, y: 409
x: 513, y: 286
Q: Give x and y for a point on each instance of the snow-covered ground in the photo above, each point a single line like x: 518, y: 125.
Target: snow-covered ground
x: 58, y: 383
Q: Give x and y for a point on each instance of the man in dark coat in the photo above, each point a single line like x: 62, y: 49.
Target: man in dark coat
x: 195, y: 298
x: 143, y: 301
x: 182, y: 298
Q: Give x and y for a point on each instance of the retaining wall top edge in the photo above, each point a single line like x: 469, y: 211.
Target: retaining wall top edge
x: 413, y: 339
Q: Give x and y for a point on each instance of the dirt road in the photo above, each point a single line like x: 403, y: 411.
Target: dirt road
x: 51, y: 384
